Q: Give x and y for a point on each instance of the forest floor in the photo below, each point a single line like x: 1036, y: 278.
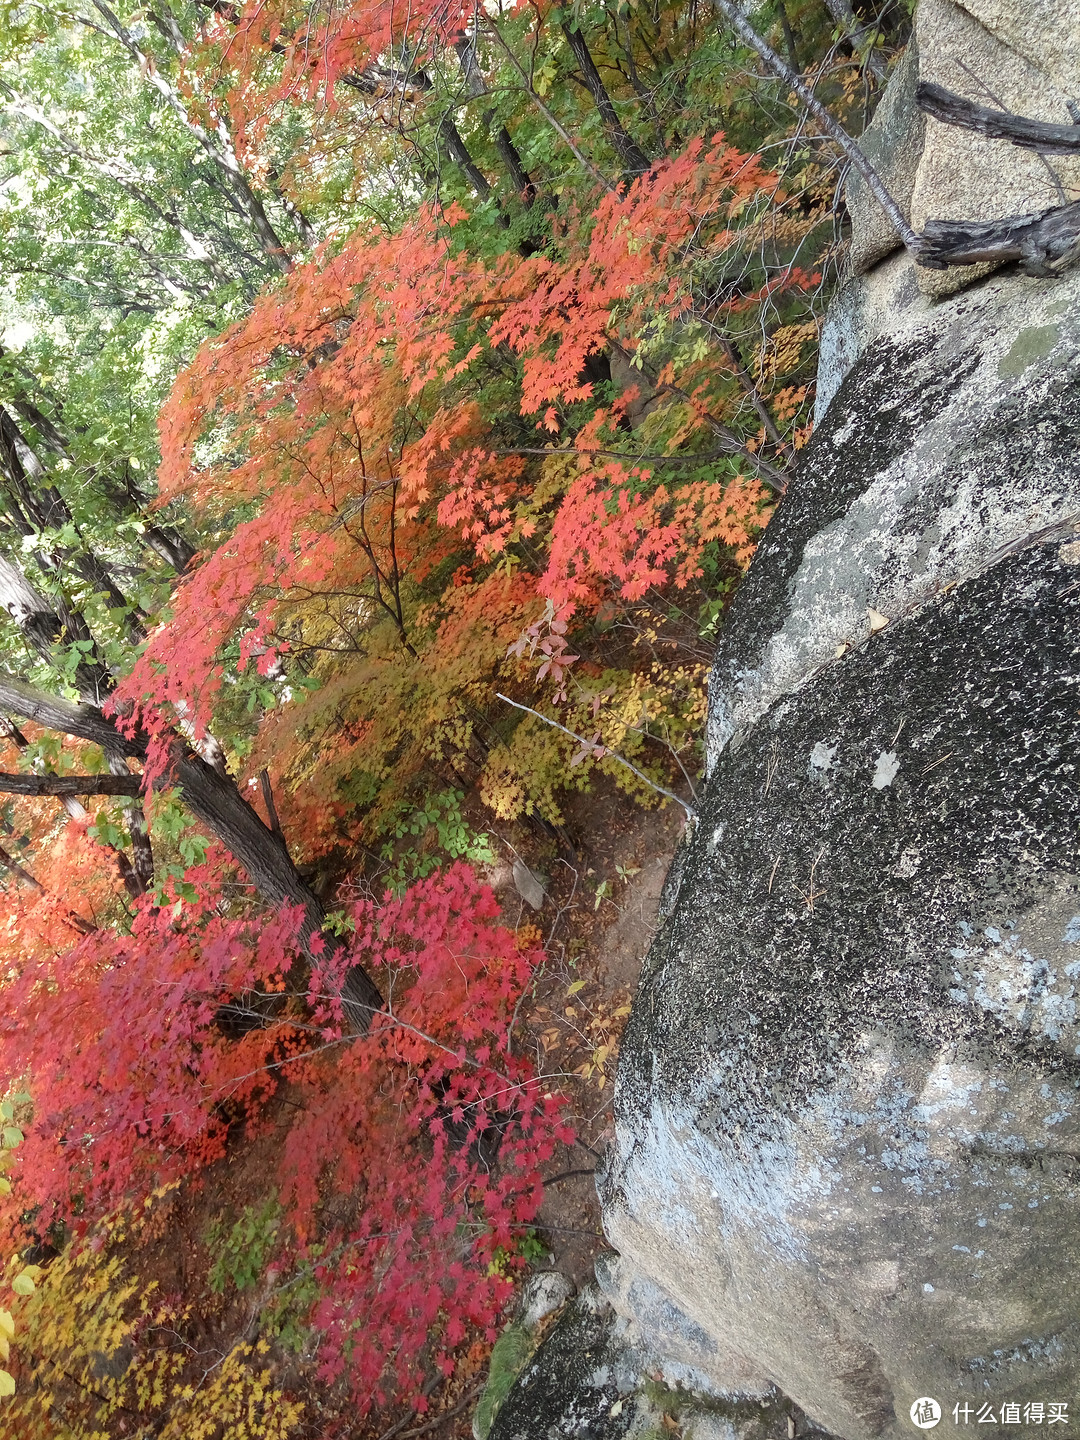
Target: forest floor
x: 602, y: 888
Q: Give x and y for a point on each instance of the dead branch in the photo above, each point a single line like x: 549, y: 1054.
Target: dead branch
x: 828, y: 122
x: 1044, y: 244
x: 1038, y: 135
x: 67, y: 785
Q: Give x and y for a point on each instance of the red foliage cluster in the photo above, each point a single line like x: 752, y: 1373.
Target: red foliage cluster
x: 136, y: 1082
x: 345, y: 396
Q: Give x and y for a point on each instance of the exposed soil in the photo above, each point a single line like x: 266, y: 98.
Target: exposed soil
x: 597, y: 942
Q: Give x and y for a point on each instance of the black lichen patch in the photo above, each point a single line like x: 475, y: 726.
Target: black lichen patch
x: 843, y: 457
x: 570, y: 1390
x: 934, y: 398
x: 588, y: 1382
x: 812, y: 912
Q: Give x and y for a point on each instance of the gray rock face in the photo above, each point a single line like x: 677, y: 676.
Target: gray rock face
x: 949, y: 443
x: 865, y: 307
x: 893, y: 141
x: 595, y: 1378
x: 1019, y: 55
x: 962, y: 176
x: 580, y: 1383
x: 1040, y: 31
x: 542, y: 1295
x: 848, y: 1110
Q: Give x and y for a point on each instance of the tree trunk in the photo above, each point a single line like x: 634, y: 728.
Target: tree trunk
x: 37, y: 506
x: 217, y: 803
x: 633, y: 160
x: 459, y: 153
x: 504, y: 144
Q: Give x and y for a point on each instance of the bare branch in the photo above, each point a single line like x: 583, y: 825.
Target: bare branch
x: 71, y: 917
x: 1044, y: 244
x: 691, y: 813
x: 828, y: 122
x: 1038, y: 135
x: 64, y: 785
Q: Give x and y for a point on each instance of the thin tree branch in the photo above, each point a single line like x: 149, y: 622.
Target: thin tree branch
x: 746, y: 381
x: 702, y: 457
x: 828, y: 122
x: 691, y: 813
x: 267, y: 793
x: 547, y: 114
x: 20, y: 872
x: 437, y: 1420
x: 729, y: 442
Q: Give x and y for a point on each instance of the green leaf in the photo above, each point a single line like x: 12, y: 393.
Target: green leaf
x: 7, y: 1384
x: 23, y: 1284
x: 12, y: 1136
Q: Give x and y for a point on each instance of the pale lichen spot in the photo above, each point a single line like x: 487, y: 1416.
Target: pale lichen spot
x: 885, y: 770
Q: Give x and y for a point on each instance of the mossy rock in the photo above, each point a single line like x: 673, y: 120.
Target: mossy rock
x: 512, y: 1349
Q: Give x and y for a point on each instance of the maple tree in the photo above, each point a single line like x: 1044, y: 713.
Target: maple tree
x: 424, y: 411
x: 158, y: 1080
x: 371, y: 467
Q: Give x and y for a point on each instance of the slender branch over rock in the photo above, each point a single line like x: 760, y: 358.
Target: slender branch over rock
x: 600, y: 750
x: 828, y: 122
x: 1044, y: 243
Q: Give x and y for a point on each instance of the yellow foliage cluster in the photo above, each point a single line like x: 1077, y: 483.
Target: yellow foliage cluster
x: 382, y: 717
x: 96, y: 1343
x: 783, y: 351
x: 652, y: 717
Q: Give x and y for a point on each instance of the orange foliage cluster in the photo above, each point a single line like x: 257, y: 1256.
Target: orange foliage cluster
x: 340, y: 436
